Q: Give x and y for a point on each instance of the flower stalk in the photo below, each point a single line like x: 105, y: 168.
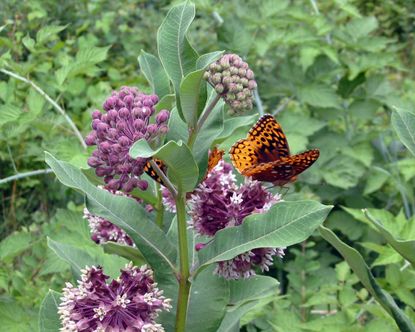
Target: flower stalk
x: 184, y: 283
x: 159, y: 207
x: 202, y: 120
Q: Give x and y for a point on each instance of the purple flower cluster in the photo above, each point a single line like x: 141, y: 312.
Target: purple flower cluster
x: 233, y: 80
x: 127, y: 118
x: 130, y: 303
x: 218, y: 203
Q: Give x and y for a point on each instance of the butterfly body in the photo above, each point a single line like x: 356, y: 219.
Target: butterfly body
x: 265, y: 155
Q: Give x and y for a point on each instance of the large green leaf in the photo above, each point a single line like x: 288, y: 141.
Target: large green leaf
x: 178, y: 130
x: 192, y: 95
x: 245, y: 294
x: 404, y: 124
x: 359, y: 267
x: 209, y: 296
x: 48, y: 313
x: 285, y: 224
x: 182, y: 168
x: 234, y: 123
x: 175, y: 52
x: 155, y: 73
x: 405, y: 248
x: 123, y: 212
x: 78, y: 259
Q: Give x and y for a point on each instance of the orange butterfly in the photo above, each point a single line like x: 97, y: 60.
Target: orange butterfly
x: 214, y: 157
x: 265, y: 156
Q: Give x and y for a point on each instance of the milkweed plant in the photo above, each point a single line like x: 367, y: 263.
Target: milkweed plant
x: 197, y: 237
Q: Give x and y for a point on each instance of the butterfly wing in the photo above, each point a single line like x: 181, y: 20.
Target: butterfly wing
x: 269, y: 138
x: 152, y: 173
x: 266, y: 142
x: 215, y: 156
x: 283, y: 170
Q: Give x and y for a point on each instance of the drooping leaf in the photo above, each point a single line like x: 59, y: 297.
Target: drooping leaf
x: 285, y: 224
x: 182, y: 168
x: 359, y: 267
x: 130, y: 253
x: 123, y: 212
x: 405, y: 247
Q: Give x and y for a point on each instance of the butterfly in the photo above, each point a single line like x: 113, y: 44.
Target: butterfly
x: 214, y: 157
x: 265, y: 156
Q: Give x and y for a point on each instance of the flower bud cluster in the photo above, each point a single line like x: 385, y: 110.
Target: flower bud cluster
x: 231, y: 78
x: 126, y: 119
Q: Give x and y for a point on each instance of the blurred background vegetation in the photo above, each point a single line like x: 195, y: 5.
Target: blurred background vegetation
x: 331, y: 71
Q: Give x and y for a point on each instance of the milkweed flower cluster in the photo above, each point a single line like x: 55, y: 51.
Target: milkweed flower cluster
x: 126, y: 119
x: 130, y: 303
x: 231, y: 78
x: 218, y: 203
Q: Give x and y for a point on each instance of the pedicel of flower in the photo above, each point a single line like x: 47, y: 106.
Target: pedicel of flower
x: 126, y: 119
x: 130, y: 303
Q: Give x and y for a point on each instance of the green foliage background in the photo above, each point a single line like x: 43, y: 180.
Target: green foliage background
x: 338, y: 75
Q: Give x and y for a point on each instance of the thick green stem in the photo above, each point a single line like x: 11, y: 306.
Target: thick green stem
x: 184, y: 284
x: 194, y: 131
x: 159, y: 207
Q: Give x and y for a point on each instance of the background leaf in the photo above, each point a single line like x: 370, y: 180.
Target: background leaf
x: 358, y: 265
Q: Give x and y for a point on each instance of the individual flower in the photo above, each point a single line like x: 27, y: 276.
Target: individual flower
x: 126, y: 119
x: 168, y: 200
x: 130, y: 303
x: 231, y: 78
x: 218, y: 203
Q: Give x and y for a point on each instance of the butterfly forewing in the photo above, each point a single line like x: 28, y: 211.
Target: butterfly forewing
x: 269, y: 138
